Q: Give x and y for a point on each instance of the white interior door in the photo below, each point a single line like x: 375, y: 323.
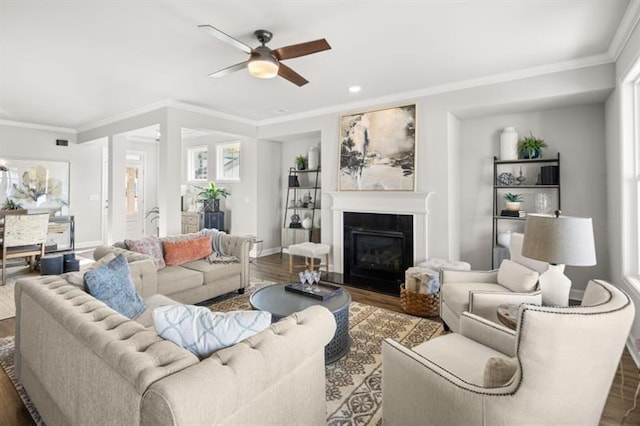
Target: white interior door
x: 134, y: 195
x: 105, y: 195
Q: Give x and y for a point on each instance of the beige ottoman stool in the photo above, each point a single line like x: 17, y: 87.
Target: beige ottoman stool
x: 309, y: 251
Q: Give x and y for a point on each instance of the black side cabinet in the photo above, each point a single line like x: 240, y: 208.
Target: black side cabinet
x: 214, y: 220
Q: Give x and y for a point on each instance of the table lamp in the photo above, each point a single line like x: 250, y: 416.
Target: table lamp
x: 559, y: 240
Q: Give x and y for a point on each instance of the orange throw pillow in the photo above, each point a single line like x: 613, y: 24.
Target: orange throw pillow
x: 179, y: 252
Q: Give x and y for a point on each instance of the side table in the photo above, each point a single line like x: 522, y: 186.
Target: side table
x: 508, y: 315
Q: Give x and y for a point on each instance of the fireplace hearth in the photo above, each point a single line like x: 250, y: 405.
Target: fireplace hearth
x: 378, y: 249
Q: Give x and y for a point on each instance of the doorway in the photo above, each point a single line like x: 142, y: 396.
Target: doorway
x: 134, y: 194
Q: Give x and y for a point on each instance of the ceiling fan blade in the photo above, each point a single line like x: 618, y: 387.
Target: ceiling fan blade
x: 229, y: 70
x: 289, y: 74
x: 302, y: 49
x: 226, y: 38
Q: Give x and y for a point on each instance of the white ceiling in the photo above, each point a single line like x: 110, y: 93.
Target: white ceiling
x: 72, y: 64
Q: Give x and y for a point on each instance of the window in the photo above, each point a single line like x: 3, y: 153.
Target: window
x: 228, y: 161
x: 636, y: 143
x: 630, y: 137
x: 197, y: 165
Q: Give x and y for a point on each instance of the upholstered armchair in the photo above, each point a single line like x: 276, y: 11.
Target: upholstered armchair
x: 556, y: 368
x: 22, y: 236
x: 480, y: 292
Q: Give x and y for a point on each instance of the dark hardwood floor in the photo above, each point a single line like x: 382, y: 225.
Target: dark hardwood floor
x: 276, y: 268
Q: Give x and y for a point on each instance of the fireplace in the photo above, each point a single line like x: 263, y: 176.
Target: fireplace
x: 378, y: 248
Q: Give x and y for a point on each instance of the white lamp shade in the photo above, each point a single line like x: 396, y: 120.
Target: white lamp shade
x: 560, y: 240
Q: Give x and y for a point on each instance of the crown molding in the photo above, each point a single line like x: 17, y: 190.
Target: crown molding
x: 167, y: 103
x: 628, y: 23
x: 575, y: 64
x: 37, y: 126
x: 125, y: 115
x: 212, y: 113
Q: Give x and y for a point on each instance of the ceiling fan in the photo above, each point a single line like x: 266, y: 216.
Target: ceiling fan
x: 265, y: 62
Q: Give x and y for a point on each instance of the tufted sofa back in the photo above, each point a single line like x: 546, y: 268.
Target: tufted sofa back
x: 69, y: 343
x: 83, y: 363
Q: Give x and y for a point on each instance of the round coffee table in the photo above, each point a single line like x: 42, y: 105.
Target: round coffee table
x: 281, y: 303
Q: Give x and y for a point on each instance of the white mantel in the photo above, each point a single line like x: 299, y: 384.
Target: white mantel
x: 413, y: 203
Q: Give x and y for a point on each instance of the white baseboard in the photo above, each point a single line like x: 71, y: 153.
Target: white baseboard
x: 267, y: 252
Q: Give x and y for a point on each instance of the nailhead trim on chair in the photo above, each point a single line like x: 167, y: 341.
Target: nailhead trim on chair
x: 521, y: 320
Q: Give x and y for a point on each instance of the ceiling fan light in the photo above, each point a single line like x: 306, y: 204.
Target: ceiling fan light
x: 263, y: 68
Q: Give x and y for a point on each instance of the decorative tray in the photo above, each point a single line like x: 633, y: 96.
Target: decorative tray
x: 323, y: 291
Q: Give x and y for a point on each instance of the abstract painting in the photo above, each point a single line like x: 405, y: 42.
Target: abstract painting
x: 36, y: 185
x: 377, y: 150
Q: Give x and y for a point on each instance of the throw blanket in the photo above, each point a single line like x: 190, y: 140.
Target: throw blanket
x: 219, y: 255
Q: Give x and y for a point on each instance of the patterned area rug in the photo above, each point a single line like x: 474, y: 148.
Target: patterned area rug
x: 354, y: 392
x: 6, y: 362
x: 353, y: 383
x: 7, y: 303
x: 14, y: 273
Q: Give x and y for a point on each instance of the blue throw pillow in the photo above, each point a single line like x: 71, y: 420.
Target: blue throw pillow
x: 113, y: 285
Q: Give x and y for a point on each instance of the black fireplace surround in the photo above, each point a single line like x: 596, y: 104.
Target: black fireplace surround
x: 378, y: 249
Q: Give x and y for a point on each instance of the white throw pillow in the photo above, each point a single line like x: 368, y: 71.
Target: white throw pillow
x: 202, y: 331
x: 516, y: 277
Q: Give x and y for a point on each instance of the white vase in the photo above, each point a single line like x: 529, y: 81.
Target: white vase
x: 312, y: 157
x: 307, y: 223
x: 509, y: 144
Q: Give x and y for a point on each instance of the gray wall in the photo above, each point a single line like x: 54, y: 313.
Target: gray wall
x: 578, y: 133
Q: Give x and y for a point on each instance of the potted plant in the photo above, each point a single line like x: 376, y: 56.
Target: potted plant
x: 211, y: 195
x: 514, y: 201
x: 531, y: 146
x: 154, y: 215
x: 301, y: 162
x: 10, y: 204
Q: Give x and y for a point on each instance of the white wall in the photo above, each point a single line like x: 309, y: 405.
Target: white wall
x: 578, y: 133
x: 269, y: 192
x: 437, y: 130
x: 85, y: 172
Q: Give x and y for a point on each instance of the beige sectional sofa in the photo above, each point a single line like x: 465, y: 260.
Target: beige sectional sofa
x: 83, y: 363
x: 194, y: 281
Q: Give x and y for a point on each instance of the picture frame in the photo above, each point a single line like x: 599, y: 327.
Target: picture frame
x: 36, y: 185
x: 378, y: 150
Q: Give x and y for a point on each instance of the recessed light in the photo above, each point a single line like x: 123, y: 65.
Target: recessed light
x: 355, y: 89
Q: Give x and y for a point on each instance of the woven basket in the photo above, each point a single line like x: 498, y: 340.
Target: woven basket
x: 422, y: 305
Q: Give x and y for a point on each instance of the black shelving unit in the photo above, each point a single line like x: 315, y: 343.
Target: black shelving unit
x: 308, y: 183
x: 499, y: 166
